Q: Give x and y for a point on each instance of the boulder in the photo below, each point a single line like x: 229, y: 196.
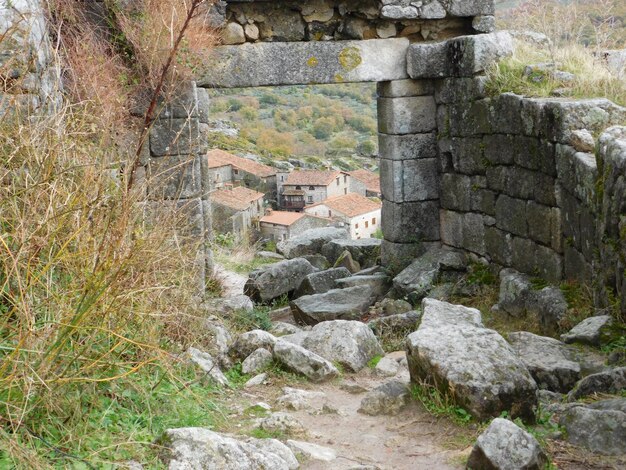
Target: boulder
x: 386, y: 399
x: 599, y: 430
x: 610, y: 381
x: 506, y: 446
x: 593, y: 331
x: 281, y: 328
x: 454, y: 351
x: 277, y: 279
x: 394, y: 307
x: 349, y: 343
x: 310, y: 242
x: 257, y: 361
x: 208, y: 365
x: 320, y: 282
x: 303, y: 361
x: 366, y: 251
x: 548, y: 360
x: 395, y: 323
x: 220, y: 338
x: 203, y: 448
x: 344, y: 304
x: 378, y: 284
x: 318, y: 261
x: 345, y: 260
x: 247, y: 343
x: 282, y: 423
x: 416, y: 280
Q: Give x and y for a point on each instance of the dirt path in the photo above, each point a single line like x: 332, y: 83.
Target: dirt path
x: 232, y: 282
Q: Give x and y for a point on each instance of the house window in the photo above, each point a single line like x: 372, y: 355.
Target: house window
x: 309, y: 199
x: 235, y: 171
x: 367, y: 224
x: 311, y: 188
x: 330, y: 213
x: 356, y: 225
x: 345, y: 190
x: 373, y: 220
x: 298, y: 188
x: 337, y: 180
x: 345, y: 178
x: 282, y: 178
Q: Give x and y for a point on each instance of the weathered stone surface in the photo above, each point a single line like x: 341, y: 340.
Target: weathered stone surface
x: 345, y: 260
x: 409, y: 180
x: 610, y: 381
x: 410, y: 222
x: 506, y: 446
x: 400, y: 88
x: 303, y: 361
x: 407, y: 147
x: 208, y: 365
x: 280, y: 328
x: 418, y: 279
x: 397, y: 256
x: 407, y: 115
x: 601, y: 431
x: 549, y: 361
x: 247, y: 343
x: 349, y: 343
x: 320, y: 282
x: 452, y: 349
x: 312, y: 451
x: 233, y: 33
x: 257, y: 361
x: 202, y: 448
x: 388, y: 366
x: 336, y: 304
x: 255, y: 381
x: 277, y: 279
x: 378, y: 284
x: 302, y: 63
x: 282, y: 423
x: 484, y: 24
x: 386, y: 399
x: 394, y: 307
x: 296, y: 338
x: 310, y: 242
x: 592, y: 330
x: 395, y: 323
x: 366, y: 251
x: 464, y: 230
x: 296, y: 399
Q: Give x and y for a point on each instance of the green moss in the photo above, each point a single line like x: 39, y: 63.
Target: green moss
x: 312, y: 62
x: 350, y: 58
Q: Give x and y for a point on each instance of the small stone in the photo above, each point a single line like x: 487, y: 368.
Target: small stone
x: 432, y: 11
x: 233, y: 33
x: 257, y: 361
x: 590, y: 331
x: 252, y: 33
x: 312, y: 451
x: 304, y: 362
x: 610, y: 381
x: 386, y: 399
x: 280, y: 328
x: 208, y: 365
x: 582, y: 140
x: 387, y: 367
x: 296, y: 399
x: 387, y: 30
x: 282, y: 423
x: 352, y: 388
x: 484, y: 24
x: 256, y: 381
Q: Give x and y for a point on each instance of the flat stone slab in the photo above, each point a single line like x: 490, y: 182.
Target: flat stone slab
x: 303, y: 63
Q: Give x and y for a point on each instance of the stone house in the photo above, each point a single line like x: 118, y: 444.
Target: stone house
x: 306, y: 187
x: 360, y: 214
x: 236, y: 210
x: 226, y: 169
x: 281, y: 225
x: 365, y: 182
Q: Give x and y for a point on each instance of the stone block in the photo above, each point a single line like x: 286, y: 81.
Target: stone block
x: 556, y: 230
x: 575, y: 266
x: 498, y: 149
x: 505, y: 113
x: 499, y: 245
x: 397, y: 256
x: 470, y: 120
x: 174, y: 137
x: 420, y: 180
x: 410, y: 222
x: 539, y: 221
x: 407, y: 147
x: 522, y: 184
x: 203, y: 105
x: 305, y: 62
x: 456, y: 192
x: 402, y: 88
x: 482, y: 200
x: 468, y: 155
x: 408, y: 115
x: 463, y: 230
x: 534, y: 154
x: 484, y: 23
x: 471, y: 7
x: 175, y: 177
x: 511, y: 215
x: 455, y: 90
x: 534, y: 259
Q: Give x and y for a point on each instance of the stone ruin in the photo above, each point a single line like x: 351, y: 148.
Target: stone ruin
x: 532, y: 184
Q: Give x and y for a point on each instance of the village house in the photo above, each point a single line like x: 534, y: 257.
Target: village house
x: 236, y: 210
x: 226, y: 170
x: 360, y: 214
x: 302, y: 188
x: 281, y: 225
x: 365, y: 182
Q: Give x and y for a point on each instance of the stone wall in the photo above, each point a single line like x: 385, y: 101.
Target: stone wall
x: 29, y: 75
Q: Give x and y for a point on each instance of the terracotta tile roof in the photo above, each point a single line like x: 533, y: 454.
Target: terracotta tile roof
x: 282, y: 217
x: 312, y: 177
x: 238, y: 198
x: 218, y: 158
x: 350, y: 205
x: 370, y: 179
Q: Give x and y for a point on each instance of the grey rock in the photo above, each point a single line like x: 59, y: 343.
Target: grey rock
x: 320, y: 282
x: 277, y: 279
x: 582, y: 140
x: 365, y: 250
x: 208, y: 365
x: 395, y: 323
x: 255, y: 381
x: 388, y: 366
x: 247, y: 343
x: 220, y: 337
x: 379, y: 284
x: 386, y: 399
x: 310, y: 242
x: 610, y: 381
x: 318, y: 261
x: 237, y: 303
x: 269, y: 255
x: 407, y: 115
x: 601, y: 431
x: 233, y: 33
x: 257, y: 361
x: 549, y: 361
x: 453, y: 349
x: 296, y: 338
x: 395, y: 307
x: 506, y: 446
x: 592, y: 330
x: 312, y: 451
x: 282, y: 423
x: 432, y: 11
x: 202, y: 448
x: 304, y: 362
x: 421, y: 275
x: 296, y: 399
x: 617, y: 404
x: 345, y: 260
x: 336, y: 304
x: 484, y: 24
x: 348, y: 343
x: 280, y: 328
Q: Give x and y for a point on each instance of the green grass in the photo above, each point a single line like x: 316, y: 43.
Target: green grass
x: 440, y: 404
x: 236, y: 377
x: 263, y: 434
x: 373, y: 362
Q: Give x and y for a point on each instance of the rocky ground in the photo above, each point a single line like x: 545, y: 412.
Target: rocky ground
x: 318, y: 391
